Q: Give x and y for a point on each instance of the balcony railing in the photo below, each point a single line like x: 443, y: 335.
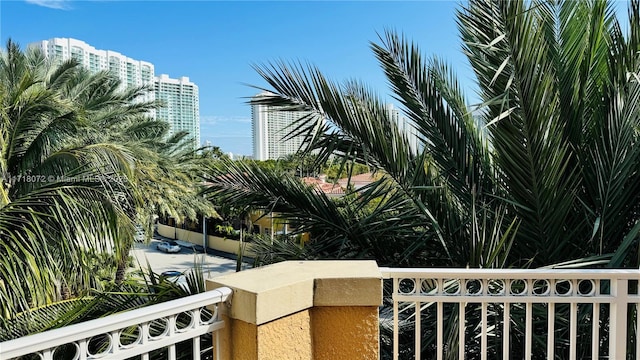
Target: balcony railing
x: 330, y: 310
x: 133, y: 333
x: 461, y: 313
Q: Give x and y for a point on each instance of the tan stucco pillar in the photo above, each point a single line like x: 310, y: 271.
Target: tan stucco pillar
x: 302, y: 310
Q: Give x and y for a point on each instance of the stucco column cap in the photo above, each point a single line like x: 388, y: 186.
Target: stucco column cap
x: 267, y: 293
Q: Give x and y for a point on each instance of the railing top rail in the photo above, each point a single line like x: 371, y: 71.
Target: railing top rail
x: 88, y: 329
x: 460, y: 273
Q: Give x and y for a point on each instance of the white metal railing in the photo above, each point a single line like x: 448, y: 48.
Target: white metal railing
x: 131, y: 333
x: 550, y: 313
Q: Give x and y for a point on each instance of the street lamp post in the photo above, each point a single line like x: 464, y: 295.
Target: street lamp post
x: 204, y: 234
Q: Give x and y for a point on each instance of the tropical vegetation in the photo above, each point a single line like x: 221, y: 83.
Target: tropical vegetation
x: 543, y: 171
x: 147, y: 289
x: 81, y: 163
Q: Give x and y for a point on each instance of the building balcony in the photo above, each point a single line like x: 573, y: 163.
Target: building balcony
x: 356, y: 310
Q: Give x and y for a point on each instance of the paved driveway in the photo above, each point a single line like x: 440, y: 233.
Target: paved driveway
x: 182, y: 261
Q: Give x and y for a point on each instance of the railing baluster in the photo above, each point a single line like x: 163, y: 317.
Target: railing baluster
x: 144, y: 329
x: 551, y: 329
x: 144, y: 333
x: 595, y: 324
x: 172, y: 324
x: 573, y: 330
x: 506, y: 326
x: 461, y: 329
x: 196, y: 348
x: 115, y: 341
x: 396, y: 340
x: 595, y: 336
x: 418, y: 338
x: 484, y: 329
x: 82, y: 349
x: 439, y: 327
x: 485, y: 291
x: 528, y: 330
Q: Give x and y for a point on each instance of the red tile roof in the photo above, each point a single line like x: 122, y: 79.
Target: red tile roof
x: 359, y: 181
x: 325, y: 187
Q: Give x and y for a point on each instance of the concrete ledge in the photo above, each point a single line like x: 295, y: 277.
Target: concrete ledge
x: 268, y: 293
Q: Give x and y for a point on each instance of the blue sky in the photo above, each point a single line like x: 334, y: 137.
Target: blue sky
x: 214, y: 43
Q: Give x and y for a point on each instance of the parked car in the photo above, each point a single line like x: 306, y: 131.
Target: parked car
x: 169, y: 247
x: 171, y: 273
x: 176, y: 277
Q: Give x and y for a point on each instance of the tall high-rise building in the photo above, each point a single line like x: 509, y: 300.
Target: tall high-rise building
x: 131, y: 72
x: 180, y: 96
x: 182, y: 105
x: 270, y: 127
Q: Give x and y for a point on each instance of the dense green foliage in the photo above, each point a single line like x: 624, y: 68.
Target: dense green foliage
x: 545, y: 170
x: 142, y: 288
x: 81, y: 162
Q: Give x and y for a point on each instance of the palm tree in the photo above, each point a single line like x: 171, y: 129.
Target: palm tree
x: 551, y: 150
x: 167, y: 174
x: 80, y: 160
x: 545, y: 170
x: 62, y: 193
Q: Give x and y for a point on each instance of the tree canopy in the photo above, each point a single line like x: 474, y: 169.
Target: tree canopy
x: 81, y: 162
x: 543, y: 171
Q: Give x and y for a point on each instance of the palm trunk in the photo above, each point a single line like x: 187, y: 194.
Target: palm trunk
x: 122, y: 262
